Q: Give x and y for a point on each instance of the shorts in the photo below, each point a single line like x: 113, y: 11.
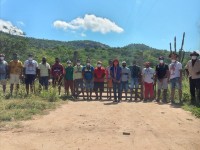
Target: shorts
x: 124, y: 86
x: 78, y: 83
x: 44, y: 81
x: 99, y: 85
x: 3, y: 82
x: 163, y: 84
x: 69, y: 84
x: 14, y: 79
x: 89, y: 84
x: 109, y: 83
x: 175, y: 83
x: 30, y: 78
x: 134, y: 83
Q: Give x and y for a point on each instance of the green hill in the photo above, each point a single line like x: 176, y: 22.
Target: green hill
x: 84, y: 49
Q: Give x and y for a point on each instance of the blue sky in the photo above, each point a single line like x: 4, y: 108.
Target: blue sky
x: 112, y: 22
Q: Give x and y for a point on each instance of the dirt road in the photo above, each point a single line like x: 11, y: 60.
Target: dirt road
x: 107, y: 126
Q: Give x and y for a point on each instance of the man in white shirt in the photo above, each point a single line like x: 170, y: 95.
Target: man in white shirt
x: 175, y: 69
x: 193, y: 71
x: 30, y: 71
x: 148, y: 74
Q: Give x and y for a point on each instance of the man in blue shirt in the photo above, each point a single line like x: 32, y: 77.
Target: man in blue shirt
x: 3, y: 72
x: 88, y: 75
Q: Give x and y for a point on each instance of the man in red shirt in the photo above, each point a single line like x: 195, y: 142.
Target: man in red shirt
x: 57, y: 72
x: 99, y: 74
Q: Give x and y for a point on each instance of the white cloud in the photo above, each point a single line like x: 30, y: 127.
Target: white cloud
x: 8, y: 27
x: 89, y: 22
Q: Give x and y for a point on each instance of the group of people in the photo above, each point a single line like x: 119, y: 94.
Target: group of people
x: 173, y: 74
x: 80, y: 79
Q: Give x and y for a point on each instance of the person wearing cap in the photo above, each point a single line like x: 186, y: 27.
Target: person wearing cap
x: 15, y: 72
x: 116, y: 74
x: 30, y: 72
x: 44, y: 70
x: 125, y: 78
x: 78, y: 79
x: 68, y: 76
x: 88, y: 77
x: 109, y: 79
x: 135, y: 76
x: 162, y: 78
x: 99, y: 74
x: 193, y: 71
x: 57, y: 72
x: 148, y: 74
x: 175, y: 69
x: 3, y: 72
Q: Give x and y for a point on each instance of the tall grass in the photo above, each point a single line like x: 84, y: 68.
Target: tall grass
x: 21, y: 106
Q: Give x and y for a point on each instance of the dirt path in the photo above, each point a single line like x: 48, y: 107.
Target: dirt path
x: 100, y: 126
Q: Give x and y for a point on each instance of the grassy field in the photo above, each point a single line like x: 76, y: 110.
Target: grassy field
x: 22, y: 107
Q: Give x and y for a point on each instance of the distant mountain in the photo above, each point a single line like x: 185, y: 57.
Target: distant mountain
x: 84, y: 50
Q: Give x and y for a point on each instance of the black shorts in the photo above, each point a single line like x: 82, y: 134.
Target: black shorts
x: 99, y: 85
x: 30, y: 78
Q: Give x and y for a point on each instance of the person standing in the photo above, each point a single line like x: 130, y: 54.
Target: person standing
x: 30, y: 72
x: 57, y: 72
x: 109, y: 79
x: 148, y: 81
x: 125, y: 78
x: 116, y: 74
x: 193, y: 71
x: 3, y: 72
x: 69, y: 78
x: 78, y: 79
x: 99, y: 74
x: 88, y: 76
x: 135, y: 76
x: 162, y: 79
x: 44, y: 70
x: 175, y: 69
x: 15, y: 72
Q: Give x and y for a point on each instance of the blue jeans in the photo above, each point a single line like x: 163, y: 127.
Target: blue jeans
x: 175, y: 83
x: 117, y: 87
x: 134, y: 83
x: 124, y: 86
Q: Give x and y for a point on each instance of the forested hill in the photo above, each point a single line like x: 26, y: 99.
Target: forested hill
x: 84, y: 49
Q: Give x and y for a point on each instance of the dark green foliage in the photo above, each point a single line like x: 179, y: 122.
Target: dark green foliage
x: 85, y: 49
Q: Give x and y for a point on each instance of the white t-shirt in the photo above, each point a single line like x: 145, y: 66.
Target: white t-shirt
x: 148, y: 74
x: 174, y: 69
x: 30, y: 66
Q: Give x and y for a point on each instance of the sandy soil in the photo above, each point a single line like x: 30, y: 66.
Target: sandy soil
x: 106, y: 126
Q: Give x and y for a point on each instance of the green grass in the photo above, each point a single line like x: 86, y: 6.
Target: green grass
x: 15, y: 109
x: 194, y: 109
x: 21, y: 106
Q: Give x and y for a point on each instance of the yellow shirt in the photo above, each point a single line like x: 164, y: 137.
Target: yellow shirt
x: 44, y: 69
x: 15, y: 67
x: 77, y: 74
